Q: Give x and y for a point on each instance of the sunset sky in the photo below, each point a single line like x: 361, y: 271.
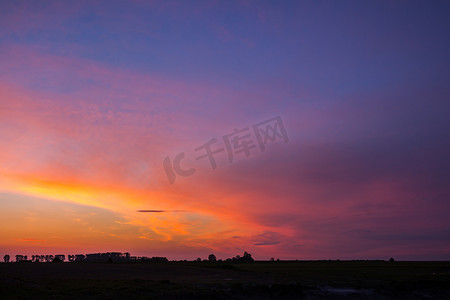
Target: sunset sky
x: 351, y: 100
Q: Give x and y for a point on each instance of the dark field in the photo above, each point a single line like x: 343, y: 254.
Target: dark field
x: 203, y: 280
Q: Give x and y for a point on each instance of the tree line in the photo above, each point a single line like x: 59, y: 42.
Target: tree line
x: 116, y: 257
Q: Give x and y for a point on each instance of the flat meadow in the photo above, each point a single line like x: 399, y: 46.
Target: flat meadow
x: 223, y: 280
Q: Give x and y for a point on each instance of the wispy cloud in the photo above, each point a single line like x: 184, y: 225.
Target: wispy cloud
x: 160, y: 211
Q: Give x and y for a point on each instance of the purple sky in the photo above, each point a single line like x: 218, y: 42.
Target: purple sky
x: 94, y: 95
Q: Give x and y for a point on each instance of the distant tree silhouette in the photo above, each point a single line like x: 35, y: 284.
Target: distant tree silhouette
x: 212, y: 258
x: 158, y: 259
x: 21, y: 258
x: 57, y: 260
x: 80, y: 257
x: 6, y: 258
x: 246, y: 258
x: 391, y: 259
x: 198, y: 259
x: 61, y: 257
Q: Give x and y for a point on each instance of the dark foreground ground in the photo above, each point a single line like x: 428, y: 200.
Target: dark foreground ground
x: 258, y: 280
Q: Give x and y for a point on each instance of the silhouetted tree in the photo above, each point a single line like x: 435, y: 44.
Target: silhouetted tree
x: 6, y: 258
x: 391, y: 259
x: 61, y: 257
x: 212, y: 258
x: 80, y: 257
x: 57, y: 260
x: 21, y: 258
x: 247, y: 257
x: 158, y: 259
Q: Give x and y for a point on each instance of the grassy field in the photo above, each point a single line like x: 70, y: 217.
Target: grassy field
x: 203, y: 280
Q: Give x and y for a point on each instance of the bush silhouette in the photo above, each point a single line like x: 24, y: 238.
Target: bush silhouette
x: 57, y: 260
x: 212, y: 258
